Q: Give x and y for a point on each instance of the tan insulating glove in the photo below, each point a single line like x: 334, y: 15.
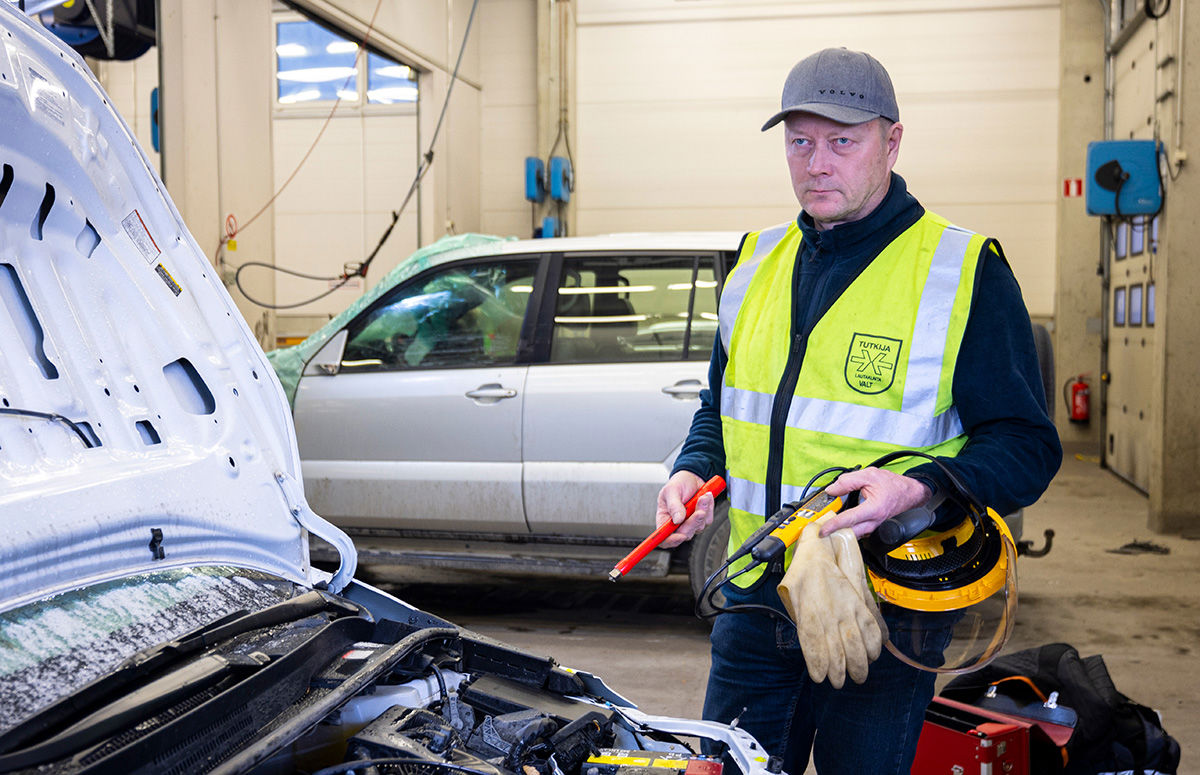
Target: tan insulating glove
x: 825, y: 591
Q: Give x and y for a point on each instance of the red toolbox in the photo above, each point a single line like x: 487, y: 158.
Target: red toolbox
x: 960, y: 739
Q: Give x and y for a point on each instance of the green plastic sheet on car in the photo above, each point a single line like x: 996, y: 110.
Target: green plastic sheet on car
x: 289, y: 362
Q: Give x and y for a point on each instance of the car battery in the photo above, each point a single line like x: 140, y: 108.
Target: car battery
x: 612, y: 761
x: 960, y: 739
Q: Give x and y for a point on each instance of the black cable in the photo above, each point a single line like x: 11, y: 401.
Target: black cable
x: 441, y: 680
x: 54, y: 417
x: 237, y: 280
x: 426, y: 163
x: 427, y: 159
x: 1152, y: 13
x: 975, y: 509
x: 423, y: 766
x: 710, y: 587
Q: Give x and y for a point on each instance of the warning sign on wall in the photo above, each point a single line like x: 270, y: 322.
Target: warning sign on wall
x: 1073, y: 187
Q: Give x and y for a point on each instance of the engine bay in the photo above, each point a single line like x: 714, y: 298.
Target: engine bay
x: 467, y: 704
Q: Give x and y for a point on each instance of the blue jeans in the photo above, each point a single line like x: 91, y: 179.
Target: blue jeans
x: 758, y: 676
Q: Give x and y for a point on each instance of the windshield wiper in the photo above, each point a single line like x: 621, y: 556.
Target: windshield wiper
x: 154, y: 697
x: 154, y: 659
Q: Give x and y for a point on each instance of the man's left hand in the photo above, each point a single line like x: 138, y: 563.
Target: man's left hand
x: 881, y: 495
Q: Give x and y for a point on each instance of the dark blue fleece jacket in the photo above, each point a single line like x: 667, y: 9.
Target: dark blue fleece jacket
x: 1013, y: 449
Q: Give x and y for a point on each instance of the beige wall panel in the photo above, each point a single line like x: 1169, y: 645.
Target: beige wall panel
x: 668, y: 114
x: 339, y: 204
x: 696, y: 155
x: 128, y: 85
x: 508, y: 136
x: 1134, y: 76
x: 508, y: 44
x: 507, y: 31
x: 318, y: 251
x: 389, y: 160
x: 461, y: 160
x: 331, y: 181
x: 1025, y: 235
x: 401, y: 243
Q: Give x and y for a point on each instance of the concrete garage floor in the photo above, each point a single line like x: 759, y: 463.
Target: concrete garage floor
x: 1141, y: 611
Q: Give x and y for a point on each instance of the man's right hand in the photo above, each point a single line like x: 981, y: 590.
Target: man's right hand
x: 671, y: 499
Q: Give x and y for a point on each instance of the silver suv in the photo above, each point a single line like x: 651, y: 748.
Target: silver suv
x: 516, y: 405
x: 512, y: 405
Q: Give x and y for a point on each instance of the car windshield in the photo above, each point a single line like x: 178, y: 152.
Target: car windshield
x: 51, y: 647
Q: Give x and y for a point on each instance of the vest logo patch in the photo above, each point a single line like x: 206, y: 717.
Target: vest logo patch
x: 871, y: 363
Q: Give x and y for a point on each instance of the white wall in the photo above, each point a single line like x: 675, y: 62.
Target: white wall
x: 508, y: 45
x: 671, y: 97
x: 129, y: 85
x: 339, y: 203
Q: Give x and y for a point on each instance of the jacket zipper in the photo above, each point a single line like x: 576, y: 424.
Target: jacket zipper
x: 783, y: 397
x: 779, y: 412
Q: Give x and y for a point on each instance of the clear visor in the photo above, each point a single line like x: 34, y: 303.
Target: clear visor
x: 964, y: 629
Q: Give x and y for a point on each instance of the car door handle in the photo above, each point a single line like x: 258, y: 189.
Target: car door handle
x: 490, y: 393
x: 685, y: 388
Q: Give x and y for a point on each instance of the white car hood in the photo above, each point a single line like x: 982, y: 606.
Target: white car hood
x: 112, y: 317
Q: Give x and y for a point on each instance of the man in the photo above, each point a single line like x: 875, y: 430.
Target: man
x: 865, y: 326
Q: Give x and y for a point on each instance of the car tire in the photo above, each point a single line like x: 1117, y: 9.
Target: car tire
x: 709, y: 549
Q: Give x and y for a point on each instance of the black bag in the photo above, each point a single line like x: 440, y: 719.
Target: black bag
x: 1113, y: 734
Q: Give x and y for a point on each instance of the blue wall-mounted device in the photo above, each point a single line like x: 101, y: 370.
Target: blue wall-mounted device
x: 535, y: 179
x: 550, y: 226
x: 562, y: 179
x: 154, y: 118
x: 1123, y: 178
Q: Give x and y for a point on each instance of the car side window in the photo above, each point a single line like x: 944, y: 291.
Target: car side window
x: 647, y: 307
x: 460, y: 316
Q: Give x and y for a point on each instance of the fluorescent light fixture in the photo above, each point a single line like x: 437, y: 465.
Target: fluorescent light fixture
x: 393, y: 94
x: 522, y: 289
x: 300, y: 96
x: 709, y: 316
x: 600, y: 319
x: 608, y: 289
x: 316, y: 74
x: 688, y: 286
x: 394, y: 71
x: 341, y: 47
x: 285, y: 50
x: 367, y: 362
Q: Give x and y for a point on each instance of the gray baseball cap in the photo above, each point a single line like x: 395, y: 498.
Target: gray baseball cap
x: 847, y: 86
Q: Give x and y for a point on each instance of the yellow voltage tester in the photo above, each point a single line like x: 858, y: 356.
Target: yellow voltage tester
x: 771, y: 546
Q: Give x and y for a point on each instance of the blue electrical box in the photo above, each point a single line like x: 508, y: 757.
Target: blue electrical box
x: 535, y: 179
x: 562, y: 180
x: 549, y: 227
x: 1123, y: 178
x: 154, y: 118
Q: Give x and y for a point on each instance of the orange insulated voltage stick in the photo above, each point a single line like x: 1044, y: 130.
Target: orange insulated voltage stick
x: 715, y: 485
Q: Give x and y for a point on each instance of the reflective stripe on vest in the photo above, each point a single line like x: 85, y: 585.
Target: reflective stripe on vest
x: 735, y: 287
x: 876, y: 375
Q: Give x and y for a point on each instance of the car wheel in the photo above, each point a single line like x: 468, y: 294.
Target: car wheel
x: 708, y: 553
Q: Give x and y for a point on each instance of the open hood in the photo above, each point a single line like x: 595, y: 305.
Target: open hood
x: 141, y: 426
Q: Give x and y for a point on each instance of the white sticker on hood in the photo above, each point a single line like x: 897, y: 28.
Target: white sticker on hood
x: 49, y: 99
x: 135, y: 227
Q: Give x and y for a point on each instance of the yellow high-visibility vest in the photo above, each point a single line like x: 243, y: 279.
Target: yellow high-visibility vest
x: 874, y: 374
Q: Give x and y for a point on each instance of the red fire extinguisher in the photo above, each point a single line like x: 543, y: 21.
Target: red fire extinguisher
x: 1077, y: 398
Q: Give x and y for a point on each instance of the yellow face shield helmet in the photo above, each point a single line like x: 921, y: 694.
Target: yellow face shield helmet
x: 949, y: 597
